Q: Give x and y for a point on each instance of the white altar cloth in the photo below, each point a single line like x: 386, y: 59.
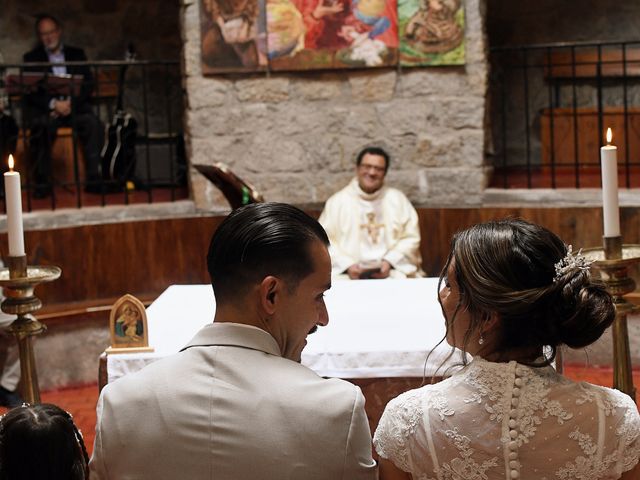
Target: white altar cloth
x: 377, y: 328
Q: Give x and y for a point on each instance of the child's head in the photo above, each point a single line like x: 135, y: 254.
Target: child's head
x: 41, y: 441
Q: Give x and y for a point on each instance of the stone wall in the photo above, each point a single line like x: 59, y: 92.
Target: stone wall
x: 295, y: 135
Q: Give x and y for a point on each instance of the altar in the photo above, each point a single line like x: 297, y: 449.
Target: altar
x: 379, y: 335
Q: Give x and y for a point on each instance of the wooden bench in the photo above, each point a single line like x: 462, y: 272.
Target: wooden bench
x: 585, y: 66
x: 588, y: 136
x: 62, y: 166
x: 559, y: 65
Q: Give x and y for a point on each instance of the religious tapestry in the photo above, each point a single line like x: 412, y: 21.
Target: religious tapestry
x: 319, y: 34
x: 251, y: 35
x: 233, y: 35
x: 431, y: 32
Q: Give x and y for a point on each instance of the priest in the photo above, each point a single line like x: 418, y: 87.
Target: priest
x: 373, y: 228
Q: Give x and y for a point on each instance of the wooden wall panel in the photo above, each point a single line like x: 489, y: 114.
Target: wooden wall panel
x: 102, y: 262
x: 581, y: 227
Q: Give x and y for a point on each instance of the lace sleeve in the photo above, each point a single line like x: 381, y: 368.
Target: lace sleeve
x: 628, y: 432
x: 398, y: 423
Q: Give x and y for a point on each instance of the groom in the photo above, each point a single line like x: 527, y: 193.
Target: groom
x: 236, y: 403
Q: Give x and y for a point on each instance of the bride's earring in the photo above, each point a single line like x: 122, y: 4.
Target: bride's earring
x: 481, y: 339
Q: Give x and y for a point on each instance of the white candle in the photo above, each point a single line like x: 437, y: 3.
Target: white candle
x: 13, y: 201
x: 610, y: 208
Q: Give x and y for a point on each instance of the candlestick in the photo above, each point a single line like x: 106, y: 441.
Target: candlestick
x: 610, y: 207
x: 13, y: 201
x: 18, y: 282
x: 614, y: 261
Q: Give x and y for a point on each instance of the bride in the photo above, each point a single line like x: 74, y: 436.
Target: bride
x: 511, y: 293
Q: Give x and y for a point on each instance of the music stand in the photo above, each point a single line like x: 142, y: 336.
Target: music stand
x: 237, y: 192
x: 57, y: 85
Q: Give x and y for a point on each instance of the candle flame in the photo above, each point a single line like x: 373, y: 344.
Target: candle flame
x: 609, y: 136
x: 11, y: 163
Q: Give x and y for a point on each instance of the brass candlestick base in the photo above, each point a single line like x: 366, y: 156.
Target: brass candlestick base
x: 613, y: 262
x: 18, y: 282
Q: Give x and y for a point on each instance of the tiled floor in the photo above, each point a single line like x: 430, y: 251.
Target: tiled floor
x: 81, y: 401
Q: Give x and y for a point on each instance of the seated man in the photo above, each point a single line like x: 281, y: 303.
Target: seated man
x: 373, y: 229
x: 236, y: 403
x: 47, y: 111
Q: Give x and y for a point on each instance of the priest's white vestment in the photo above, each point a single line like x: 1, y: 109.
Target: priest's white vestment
x: 366, y: 227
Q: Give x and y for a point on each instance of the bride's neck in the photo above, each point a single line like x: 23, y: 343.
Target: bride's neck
x: 521, y: 355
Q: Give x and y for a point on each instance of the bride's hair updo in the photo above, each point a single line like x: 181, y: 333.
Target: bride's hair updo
x: 508, y: 267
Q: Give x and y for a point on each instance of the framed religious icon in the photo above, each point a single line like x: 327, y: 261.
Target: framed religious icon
x: 128, y: 326
x: 431, y: 32
x: 233, y: 36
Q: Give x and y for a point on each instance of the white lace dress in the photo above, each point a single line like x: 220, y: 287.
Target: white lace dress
x: 508, y: 421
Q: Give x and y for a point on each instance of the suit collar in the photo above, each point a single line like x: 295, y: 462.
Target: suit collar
x: 236, y: 335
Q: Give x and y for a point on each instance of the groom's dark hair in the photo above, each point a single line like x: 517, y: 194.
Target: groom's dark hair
x: 258, y: 240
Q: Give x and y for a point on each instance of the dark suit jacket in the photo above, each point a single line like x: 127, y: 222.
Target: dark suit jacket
x: 38, y: 102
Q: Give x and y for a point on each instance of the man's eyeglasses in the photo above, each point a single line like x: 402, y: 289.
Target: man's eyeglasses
x: 375, y: 168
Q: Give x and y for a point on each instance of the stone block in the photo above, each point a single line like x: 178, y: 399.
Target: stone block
x: 464, y: 113
x: 327, y: 185
x: 263, y: 89
x: 362, y: 121
x: 406, y: 116
x: 321, y: 87
x: 405, y: 181
x: 237, y: 120
x: 266, y: 154
x: 287, y: 187
x: 190, y: 31
x: 373, y: 85
x: 308, y: 120
x: 216, y: 148
x: 191, y: 59
x: 455, y: 186
x: 426, y: 82
x: 441, y: 147
x: 331, y: 154
x: 400, y: 147
x: 207, y: 91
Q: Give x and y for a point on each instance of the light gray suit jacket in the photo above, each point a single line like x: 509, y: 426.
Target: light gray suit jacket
x: 228, y: 406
